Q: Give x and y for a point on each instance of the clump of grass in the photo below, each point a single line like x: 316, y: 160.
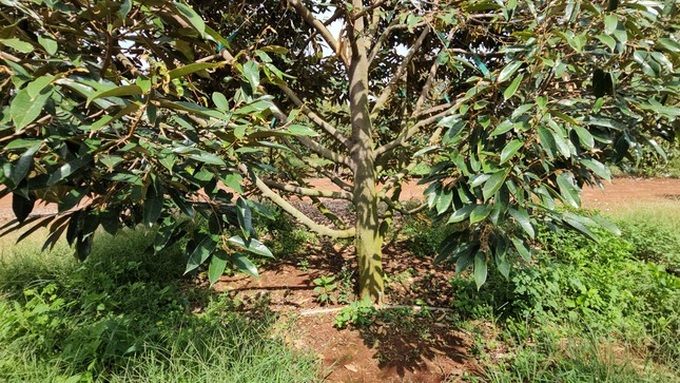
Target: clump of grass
x: 624, y: 289
x: 590, y: 360
x: 126, y: 314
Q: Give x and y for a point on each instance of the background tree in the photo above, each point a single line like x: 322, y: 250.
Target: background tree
x: 511, y: 107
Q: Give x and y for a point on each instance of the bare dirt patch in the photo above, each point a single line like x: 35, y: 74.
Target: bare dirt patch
x: 397, y: 346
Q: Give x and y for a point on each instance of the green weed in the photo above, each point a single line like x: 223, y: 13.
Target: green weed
x: 128, y: 315
x: 621, y: 288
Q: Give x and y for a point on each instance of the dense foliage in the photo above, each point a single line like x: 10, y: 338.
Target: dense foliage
x: 102, y: 113
x: 141, y: 111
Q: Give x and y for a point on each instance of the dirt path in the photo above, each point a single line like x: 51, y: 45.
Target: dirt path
x: 621, y: 191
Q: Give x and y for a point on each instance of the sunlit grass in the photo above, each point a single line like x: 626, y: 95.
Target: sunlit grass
x: 126, y: 315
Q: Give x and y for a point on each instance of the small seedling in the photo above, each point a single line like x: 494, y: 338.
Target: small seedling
x: 303, y: 264
x: 325, y: 286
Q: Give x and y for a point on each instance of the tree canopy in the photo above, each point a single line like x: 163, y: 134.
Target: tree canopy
x: 145, y: 111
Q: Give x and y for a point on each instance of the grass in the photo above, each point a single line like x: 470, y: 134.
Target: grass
x: 591, y: 360
x: 584, y: 311
x: 127, y: 315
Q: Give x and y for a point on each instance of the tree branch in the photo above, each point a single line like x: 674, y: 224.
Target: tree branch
x: 299, y: 190
x: 430, y: 79
x: 434, y: 109
x: 406, y: 134
x: 308, y: 16
x: 399, y: 73
x: 401, y: 209
x: 327, y: 127
x: 394, y: 25
x: 324, y: 151
x: 299, y: 216
x: 367, y: 9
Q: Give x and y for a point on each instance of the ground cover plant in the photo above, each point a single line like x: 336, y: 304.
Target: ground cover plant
x: 127, y: 315
x: 583, y: 310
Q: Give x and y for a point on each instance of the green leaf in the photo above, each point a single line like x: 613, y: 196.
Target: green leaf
x: 24, y: 109
x: 608, y: 41
x: 252, y: 73
x: 494, y: 183
x: 502, y: 128
x: 522, y: 217
x: 512, y: 88
x: 218, y: 263
x: 562, y: 145
x: 181, y: 202
x: 649, y: 66
x: 607, y: 225
x: 480, y: 271
x: 479, y: 213
x: 576, y: 223
x: 207, y: 158
x: 23, y: 165
x: 163, y: 234
x: 659, y: 150
x: 194, y: 108
x: 216, y: 37
x: 21, y: 143
x: 522, y: 248
x: 192, y: 68
x: 253, y: 245
x: 120, y: 91
x: 245, y: 218
x: 67, y: 169
x: 220, y: 102
x: 464, y: 260
x: 153, y: 205
x: 234, y: 181
x: 503, y: 266
x: 125, y: 8
x: 50, y: 45
x: 301, y: 130
x: 36, y: 86
x: 521, y: 110
x: 192, y: 17
x: 547, y: 140
x: 597, y: 167
x: 244, y: 264
x: 509, y: 70
x: 669, y: 45
x: 21, y: 207
x: 461, y: 214
x: 510, y: 149
x: 110, y: 161
x: 585, y: 138
x: 258, y: 105
x: 443, y: 200
x: 18, y: 45
x: 200, y: 253
x: 568, y: 191
x: 611, y: 22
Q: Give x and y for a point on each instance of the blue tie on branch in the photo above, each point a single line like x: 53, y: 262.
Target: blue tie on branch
x: 482, y: 68
x: 230, y: 39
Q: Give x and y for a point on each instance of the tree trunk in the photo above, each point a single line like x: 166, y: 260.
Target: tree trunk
x: 368, y: 237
